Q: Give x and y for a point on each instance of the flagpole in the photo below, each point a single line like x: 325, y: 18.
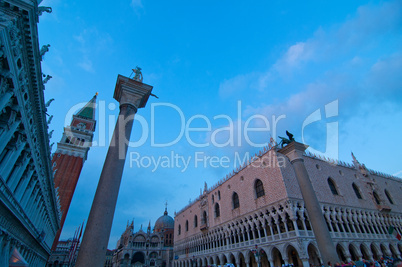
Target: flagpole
x: 72, y: 247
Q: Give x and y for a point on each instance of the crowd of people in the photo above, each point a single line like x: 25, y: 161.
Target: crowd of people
x: 383, y: 262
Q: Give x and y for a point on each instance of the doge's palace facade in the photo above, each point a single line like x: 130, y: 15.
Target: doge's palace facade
x: 257, y: 216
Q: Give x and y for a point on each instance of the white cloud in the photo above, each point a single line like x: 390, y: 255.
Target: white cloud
x: 385, y: 76
x: 86, y: 64
x: 366, y: 31
x: 294, y: 57
x: 362, y: 31
x: 294, y: 54
x: 236, y: 84
x: 90, y: 44
x: 136, y: 4
x: 370, y: 21
x: 398, y: 174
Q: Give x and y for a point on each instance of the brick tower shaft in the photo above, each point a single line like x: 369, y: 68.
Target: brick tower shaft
x: 70, y: 156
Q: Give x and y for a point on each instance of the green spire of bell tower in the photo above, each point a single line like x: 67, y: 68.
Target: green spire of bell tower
x: 88, y: 111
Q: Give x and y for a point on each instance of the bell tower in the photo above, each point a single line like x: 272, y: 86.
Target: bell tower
x: 70, y: 155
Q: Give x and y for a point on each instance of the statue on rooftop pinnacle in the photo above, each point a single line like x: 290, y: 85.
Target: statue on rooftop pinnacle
x: 47, y: 78
x: 138, y: 74
x: 286, y: 141
x: 42, y: 9
x: 43, y: 50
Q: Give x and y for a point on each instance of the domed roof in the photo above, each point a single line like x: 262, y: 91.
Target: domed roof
x: 164, y: 222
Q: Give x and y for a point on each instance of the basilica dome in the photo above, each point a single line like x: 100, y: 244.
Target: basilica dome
x: 164, y: 222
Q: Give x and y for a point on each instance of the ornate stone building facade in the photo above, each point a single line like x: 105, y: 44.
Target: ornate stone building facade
x: 65, y: 254
x: 256, y: 216
x: 146, y: 248
x: 29, y: 211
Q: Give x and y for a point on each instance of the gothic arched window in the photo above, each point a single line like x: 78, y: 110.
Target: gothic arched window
x: 186, y: 225
x: 219, y: 195
x: 259, y: 188
x: 179, y: 230
x: 376, y: 198
x: 388, y: 196
x: 357, y: 191
x: 332, y: 186
x: 204, y: 217
x: 213, y: 199
x: 235, y: 200
x: 195, y: 221
x: 217, y: 211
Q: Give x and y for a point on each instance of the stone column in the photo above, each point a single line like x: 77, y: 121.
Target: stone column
x: 6, y: 136
x: 259, y: 231
x: 6, y: 250
x: 131, y: 95
x: 348, y: 256
x: 30, y: 206
x: 285, y: 223
x: 294, y: 221
x: 271, y: 229
x: 17, y: 174
x: 294, y: 151
x: 237, y: 259
x: 5, y: 99
x: 305, y: 262
x: 12, y: 156
x: 303, y: 220
x: 19, y: 192
x: 265, y: 231
x: 328, y: 221
x: 278, y: 228
x: 28, y: 192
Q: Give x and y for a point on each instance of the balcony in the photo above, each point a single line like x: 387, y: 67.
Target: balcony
x: 384, y: 208
x: 204, y: 227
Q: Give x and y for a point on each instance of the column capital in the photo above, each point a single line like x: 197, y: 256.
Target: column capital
x: 294, y: 151
x: 131, y: 92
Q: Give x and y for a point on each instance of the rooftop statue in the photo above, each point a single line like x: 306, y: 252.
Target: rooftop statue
x: 138, y: 74
x: 47, y: 78
x: 49, y: 102
x: 272, y: 143
x: 43, y: 50
x: 42, y: 9
x: 286, y: 141
x: 50, y: 119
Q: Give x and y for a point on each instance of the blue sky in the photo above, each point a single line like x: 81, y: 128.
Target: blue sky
x: 224, y: 66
